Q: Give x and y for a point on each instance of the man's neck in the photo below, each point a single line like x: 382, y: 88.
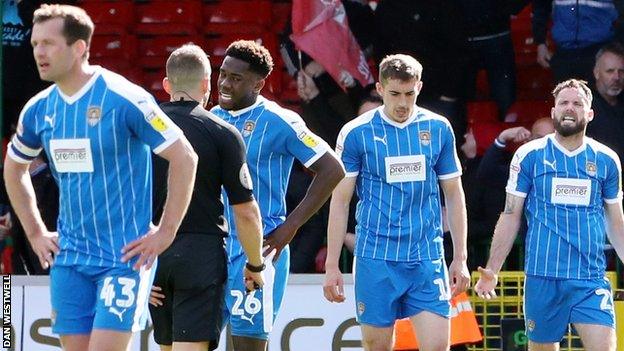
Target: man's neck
x: 571, y: 142
x: 75, y: 79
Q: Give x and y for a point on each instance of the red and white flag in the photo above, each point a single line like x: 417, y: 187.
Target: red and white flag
x: 321, y: 30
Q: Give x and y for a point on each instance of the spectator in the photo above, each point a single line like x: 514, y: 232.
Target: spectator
x: 608, y: 107
x: 579, y: 29
x: 490, y: 47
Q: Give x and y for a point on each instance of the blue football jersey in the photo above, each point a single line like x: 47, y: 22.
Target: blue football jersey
x: 98, y: 144
x: 274, y: 137
x: 398, y: 166
x: 565, y: 193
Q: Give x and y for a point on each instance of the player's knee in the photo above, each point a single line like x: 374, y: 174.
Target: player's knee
x: 434, y: 343
x: 376, y: 344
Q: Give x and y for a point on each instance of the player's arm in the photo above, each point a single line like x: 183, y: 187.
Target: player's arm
x: 22, y: 195
x: 504, y: 236
x: 327, y: 173
x: 456, y: 208
x: 249, y: 230
x: 182, y: 167
x: 615, y: 219
x: 336, y: 232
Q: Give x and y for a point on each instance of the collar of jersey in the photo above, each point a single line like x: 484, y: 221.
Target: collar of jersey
x: 237, y: 113
x: 567, y: 152
x: 71, y: 99
x: 397, y: 124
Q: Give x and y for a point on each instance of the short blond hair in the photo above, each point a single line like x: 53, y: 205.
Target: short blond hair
x: 187, y: 66
x: 399, y: 66
x: 577, y: 84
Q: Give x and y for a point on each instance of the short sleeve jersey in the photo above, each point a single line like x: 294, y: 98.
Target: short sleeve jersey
x: 98, y: 142
x: 565, y: 193
x: 398, y: 166
x: 222, y: 162
x: 274, y: 137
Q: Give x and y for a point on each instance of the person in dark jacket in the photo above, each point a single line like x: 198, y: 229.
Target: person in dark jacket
x: 579, y: 29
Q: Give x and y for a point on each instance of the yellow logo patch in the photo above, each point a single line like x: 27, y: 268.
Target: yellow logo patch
x: 307, y: 139
x: 157, y: 122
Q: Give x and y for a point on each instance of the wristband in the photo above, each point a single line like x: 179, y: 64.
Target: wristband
x: 255, y: 269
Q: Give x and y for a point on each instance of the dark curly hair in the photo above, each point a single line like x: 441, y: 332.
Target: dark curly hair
x: 256, y: 55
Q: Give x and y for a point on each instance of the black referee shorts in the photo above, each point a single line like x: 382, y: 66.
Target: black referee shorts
x: 192, y: 273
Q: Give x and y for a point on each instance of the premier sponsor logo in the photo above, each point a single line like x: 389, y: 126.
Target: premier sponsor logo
x: 570, y: 190
x: 70, y: 155
x: 406, y: 168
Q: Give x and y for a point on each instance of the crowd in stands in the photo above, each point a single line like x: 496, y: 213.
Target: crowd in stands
x: 489, y: 66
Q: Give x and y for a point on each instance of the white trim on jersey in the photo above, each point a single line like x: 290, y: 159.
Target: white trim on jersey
x: 97, y: 71
x: 146, y: 278
x: 15, y: 157
x: 450, y: 175
x: 267, y: 294
x: 400, y: 125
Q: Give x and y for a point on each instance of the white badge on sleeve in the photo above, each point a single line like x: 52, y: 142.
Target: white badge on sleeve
x: 72, y: 155
x: 405, y: 169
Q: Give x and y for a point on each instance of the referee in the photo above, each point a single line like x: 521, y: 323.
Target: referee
x: 192, y: 272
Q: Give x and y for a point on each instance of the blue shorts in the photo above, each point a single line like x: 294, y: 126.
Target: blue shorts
x: 87, y: 297
x: 551, y: 304
x: 252, y: 315
x: 386, y: 291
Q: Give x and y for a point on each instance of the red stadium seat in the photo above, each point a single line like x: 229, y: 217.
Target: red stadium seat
x: 155, y: 50
x: 169, y: 18
x: 528, y: 111
x: 281, y: 14
x: 234, y: 16
x: 115, y: 17
x: 524, y: 46
x: 153, y: 83
x: 114, y: 46
x: 479, y: 112
x: 534, y: 83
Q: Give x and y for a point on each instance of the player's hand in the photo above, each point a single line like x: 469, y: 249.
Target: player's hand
x: 45, y: 246
x: 486, y: 284
x: 543, y: 55
x: 253, y: 280
x: 460, y: 277
x: 147, y: 247
x: 333, y: 287
x: 277, y: 240
x: 516, y: 134
x: 156, y: 296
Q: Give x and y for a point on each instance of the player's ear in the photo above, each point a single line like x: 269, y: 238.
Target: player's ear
x: 379, y: 88
x: 80, y: 48
x: 166, y: 85
x: 259, y: 85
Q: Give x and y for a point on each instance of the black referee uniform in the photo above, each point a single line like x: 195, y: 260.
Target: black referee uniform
x: 192, y: 272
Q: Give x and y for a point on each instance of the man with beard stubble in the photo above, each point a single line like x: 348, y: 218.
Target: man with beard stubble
x: 569, y: 183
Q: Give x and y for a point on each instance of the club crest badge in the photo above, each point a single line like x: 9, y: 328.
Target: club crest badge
x: 590, y: 167
x: 248, y: 127
x: 425, y: 137
x: 360, y: 308
x: 94, y: 114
